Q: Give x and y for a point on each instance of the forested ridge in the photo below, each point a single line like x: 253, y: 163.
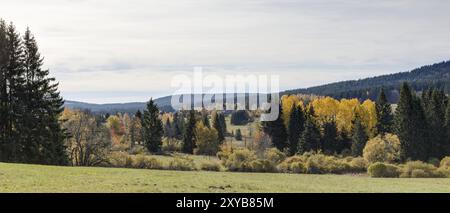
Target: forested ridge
x: 430, y: 76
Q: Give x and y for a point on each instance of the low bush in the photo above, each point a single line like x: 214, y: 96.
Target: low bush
x: 182, y: 163
x: 445, y: 163
x: 171, y: 145
x: 321, y: 164
x: 210, y: 166
x: 382, y: 149
x: 239, y: 160
x: 120, y: 159
x: 261, y: 165
x: 419, y: 169
x: 434, y: 161
x: 274, y: 155
x: 137, y: 150
x: 146, y: 162
x: 297, y: 167
x: 358, y: 164
x: 383, y: 170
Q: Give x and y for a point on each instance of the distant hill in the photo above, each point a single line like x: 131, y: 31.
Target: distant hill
x: 132, y: 107
x: 436, y: 75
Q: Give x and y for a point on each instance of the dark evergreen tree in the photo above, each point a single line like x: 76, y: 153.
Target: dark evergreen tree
x: 168, y: 131
x: 310, y: 138
x: 152, y: 127
x: 384, y: 114
x: 276, y: 130
x: 447, y: 130
x: 177, y: 126
x: 217, y: 125
x: 30, y: 104
x: 189, y: 135
x: 238, y: 135
x: 223, y: 123
x: 295, y: 128
x: 434, y: 104
x: 359, y: 137
x: 330, y: 137
x: 205, y: 119
x: 410, y: 124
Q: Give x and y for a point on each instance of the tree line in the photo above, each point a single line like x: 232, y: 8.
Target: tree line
x: 422, y: 123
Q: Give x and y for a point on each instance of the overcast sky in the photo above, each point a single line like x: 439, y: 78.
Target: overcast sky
x: 118, y: 51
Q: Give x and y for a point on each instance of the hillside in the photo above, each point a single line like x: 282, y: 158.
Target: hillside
x: 435, y: 75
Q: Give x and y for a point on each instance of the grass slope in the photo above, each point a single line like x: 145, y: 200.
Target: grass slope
x: 36, y: 178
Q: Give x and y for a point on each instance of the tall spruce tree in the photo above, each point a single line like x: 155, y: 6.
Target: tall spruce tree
x: 295, y: 128
x: 189, y: 135
x: 330, y: 137
x: 218, y: 126
x: 310, y: 138
x: 384, y: 114
x: 359, y: 137
x: 410, y: 124
x: 447, y: 130
x: 276, y: 130
x: 434, y: 104
x: 30, y: 104
x: 152, y: 127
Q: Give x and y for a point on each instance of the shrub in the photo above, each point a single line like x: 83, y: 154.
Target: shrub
x: 146, y: 162
x: 434, y: 161
x: 261, y: 165
x: 420, y: 169
x: 383, y: 170
x: 445, y: 163
x: 321, y: 164
x: 286, y: 165
x: 206, y: 140
x: 298, y: 167
x: 239, y: 160
x: 382, y: 149
x: 171, y: 145
x: 120, y: 159
x: 210, y: 166
x: 274, y: 155
x: 182, y: 163
x: 137, y: 149
x: 225, y: 152
x: 358, y: 164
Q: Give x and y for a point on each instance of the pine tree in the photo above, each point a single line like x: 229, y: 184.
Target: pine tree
x: 295, y: 128
x: 434, y: 104
x: 189, y: 136
x: 205, y: 119
x: 4, y: 104
x: 238, y: 135
x: 276, y: 130
x: 223, y: 123
x: 330, y: 137
x: 152, y: 127
x: 310, y: 138
x: 168, y: 131
x: 384, y: 114
x: 411, y: 126
x: 177, y: 131
x: 359, y: 137
x: 217, y: 126
x: 447, y: 130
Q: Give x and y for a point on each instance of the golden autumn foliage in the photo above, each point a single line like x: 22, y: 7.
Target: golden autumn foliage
x: 341, y: 111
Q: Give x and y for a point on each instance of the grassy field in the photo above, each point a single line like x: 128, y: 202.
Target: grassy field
x: 36, y: 178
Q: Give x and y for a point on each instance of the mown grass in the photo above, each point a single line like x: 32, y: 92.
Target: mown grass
x: 37, y: 178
